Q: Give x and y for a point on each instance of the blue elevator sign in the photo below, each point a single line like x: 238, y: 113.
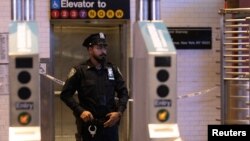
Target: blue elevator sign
x: 90, y: 9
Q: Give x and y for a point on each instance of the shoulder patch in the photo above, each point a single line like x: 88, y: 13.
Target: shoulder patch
x: 119, y: 71
x: 71, y: 72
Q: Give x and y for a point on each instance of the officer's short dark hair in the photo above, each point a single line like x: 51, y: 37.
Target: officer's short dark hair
x: 95, y: 39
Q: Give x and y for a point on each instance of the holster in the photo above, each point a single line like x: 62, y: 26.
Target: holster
x: 78, y: 137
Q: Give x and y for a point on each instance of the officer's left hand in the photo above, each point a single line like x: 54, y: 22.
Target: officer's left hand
x: 113, y: 118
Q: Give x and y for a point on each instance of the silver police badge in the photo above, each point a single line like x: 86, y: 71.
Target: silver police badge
x: 111, y: 74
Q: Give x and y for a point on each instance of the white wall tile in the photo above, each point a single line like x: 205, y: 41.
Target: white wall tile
x: 196, y: 68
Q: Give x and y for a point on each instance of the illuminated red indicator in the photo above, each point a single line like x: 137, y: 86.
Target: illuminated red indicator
x: 55, y: 14
x: 73, y: 14
x: 64, y: 14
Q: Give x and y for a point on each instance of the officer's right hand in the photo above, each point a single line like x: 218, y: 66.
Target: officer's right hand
x: 86, y: 116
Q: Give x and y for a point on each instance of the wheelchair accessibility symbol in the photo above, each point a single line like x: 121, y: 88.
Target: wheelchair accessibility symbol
x: 55, y: 4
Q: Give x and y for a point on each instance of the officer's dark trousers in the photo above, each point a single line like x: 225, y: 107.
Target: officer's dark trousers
x: 102, y: 134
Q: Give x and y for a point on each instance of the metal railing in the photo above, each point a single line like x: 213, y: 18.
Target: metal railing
x: 235, y: 65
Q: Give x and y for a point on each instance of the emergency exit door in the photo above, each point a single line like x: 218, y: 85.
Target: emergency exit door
x: 67, y: 51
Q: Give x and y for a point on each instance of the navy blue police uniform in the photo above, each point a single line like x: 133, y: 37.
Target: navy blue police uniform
x: 97, y: 91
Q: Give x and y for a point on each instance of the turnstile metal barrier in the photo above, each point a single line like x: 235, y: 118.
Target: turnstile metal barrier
x: 235, y: 66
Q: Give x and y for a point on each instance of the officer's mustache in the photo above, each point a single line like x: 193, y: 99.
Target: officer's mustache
x: 103, y: 55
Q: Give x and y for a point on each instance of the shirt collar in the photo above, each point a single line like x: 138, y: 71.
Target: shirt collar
x: 91, y: 65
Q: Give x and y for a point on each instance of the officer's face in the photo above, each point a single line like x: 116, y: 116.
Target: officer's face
x: 99, y: 52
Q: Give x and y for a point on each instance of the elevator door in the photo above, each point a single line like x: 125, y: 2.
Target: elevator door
x: 68, y: 51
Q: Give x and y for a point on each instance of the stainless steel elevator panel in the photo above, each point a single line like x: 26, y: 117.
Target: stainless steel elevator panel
x: 68, y: 51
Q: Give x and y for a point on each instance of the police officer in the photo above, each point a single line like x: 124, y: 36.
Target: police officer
x: 97, y: 83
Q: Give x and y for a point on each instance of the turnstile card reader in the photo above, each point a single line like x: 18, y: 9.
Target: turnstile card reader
x: 24, y: 82
x: 154, y: 84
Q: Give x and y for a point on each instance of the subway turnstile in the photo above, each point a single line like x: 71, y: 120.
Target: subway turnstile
x: 154, y: 116
x: 24, y: 82
x: 24, y: 79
